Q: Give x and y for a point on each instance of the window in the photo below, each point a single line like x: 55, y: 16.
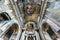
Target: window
x: 22, y: 1
x: 30, y: 38
x: 4, y: 16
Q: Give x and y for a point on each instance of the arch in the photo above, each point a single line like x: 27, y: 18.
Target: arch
x: 4, y: 16
x: 11, y: 32
x: 46, y: 28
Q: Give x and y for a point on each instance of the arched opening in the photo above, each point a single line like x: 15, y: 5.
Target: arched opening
x: 11, y: 32
x: 47, y: 31
x: 30, y: 33
x: 4, y: 16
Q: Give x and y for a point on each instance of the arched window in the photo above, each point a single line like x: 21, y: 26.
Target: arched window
x: 30, y: 38
x: 12, y: 32
x: 4, y: 16
x: 48, y: 30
